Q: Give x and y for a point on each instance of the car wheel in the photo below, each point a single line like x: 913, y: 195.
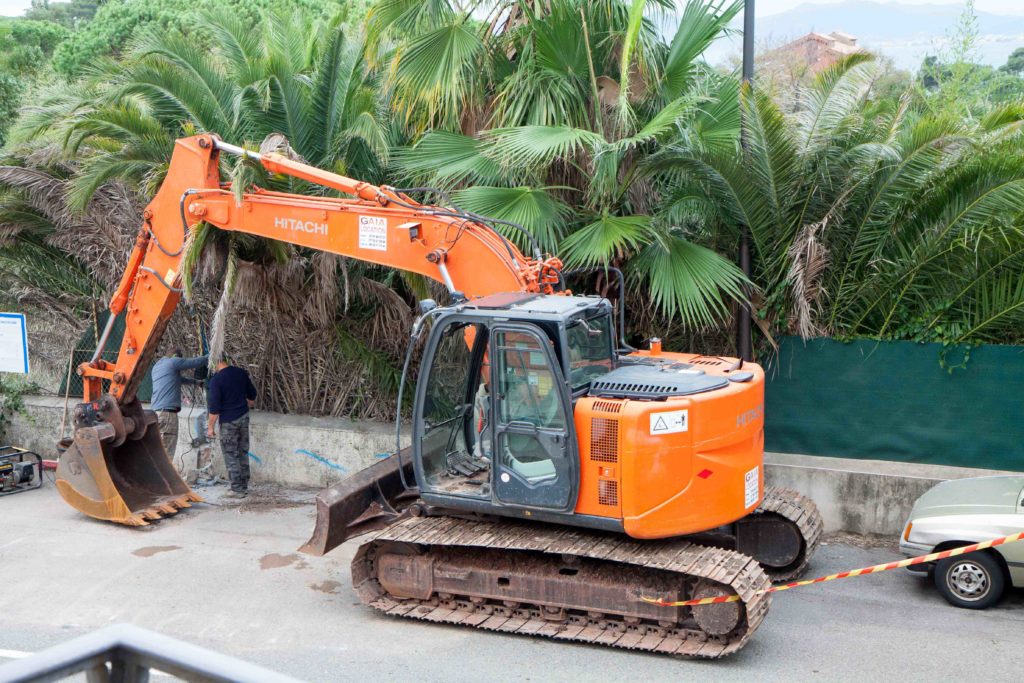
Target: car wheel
x: 972, y: 581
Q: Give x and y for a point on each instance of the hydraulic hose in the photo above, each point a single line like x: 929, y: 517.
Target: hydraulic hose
x: 456, y: 212
x: 414, y: 336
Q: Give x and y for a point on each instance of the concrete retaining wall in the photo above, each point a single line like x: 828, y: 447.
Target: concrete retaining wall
x: 291, y: 450
x: 855, y: 496
x: 861, y: 496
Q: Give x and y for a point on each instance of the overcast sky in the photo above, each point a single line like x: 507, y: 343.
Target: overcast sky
x: 994, y: 6
x: 16, y: 7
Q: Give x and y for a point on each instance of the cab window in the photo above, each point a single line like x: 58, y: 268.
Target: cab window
x: 590, y: 350
x: 525, y: 383
x: 455, y: 438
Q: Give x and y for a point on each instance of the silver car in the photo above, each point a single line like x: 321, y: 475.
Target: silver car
x: 961, y: 512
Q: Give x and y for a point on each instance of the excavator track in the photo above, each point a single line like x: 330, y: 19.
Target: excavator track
x: 563, y: 583
x: 801, y: 512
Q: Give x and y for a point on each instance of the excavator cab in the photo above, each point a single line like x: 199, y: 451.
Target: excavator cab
x: 493, y: 426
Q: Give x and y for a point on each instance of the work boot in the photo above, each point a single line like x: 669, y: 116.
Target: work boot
x: 236, y: 494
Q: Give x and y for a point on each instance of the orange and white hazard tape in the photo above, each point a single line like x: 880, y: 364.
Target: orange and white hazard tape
x: 952, y: 552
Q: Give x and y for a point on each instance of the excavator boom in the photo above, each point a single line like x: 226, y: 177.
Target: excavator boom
x: 116, y: 468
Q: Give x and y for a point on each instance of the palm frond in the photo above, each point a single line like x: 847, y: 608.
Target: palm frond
x: 434, y: 74
x: 533, y: 146
x: 533, y: 208
x: 606, y: 240
x: 700, y: 24
x: 448, y: 159
x: 407, y: 16
x: 688, y: 281
x: 836, y: 93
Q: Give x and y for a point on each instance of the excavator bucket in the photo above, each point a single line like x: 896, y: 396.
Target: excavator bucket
x: 116, y: 467
x: 369, y: 500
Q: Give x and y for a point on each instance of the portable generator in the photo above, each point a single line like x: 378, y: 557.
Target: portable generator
x: 20, y: 470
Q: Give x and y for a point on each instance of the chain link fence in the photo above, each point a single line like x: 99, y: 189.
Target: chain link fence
x: 71, y: 384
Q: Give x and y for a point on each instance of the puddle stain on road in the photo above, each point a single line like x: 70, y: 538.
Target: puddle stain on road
x: 150, y: 551
x: 329, y: 587
x: 276, y: 561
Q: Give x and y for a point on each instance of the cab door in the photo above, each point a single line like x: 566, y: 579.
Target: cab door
x: 534, y: 452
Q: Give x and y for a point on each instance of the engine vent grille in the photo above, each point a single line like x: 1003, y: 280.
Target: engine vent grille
x: 652, y: 383
x: 634, y: 388
x: 608, y: 406
x: 706, y: 361
x: 607, y: 492
x: 604, y: 439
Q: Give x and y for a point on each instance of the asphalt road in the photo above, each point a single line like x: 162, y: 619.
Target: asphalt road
x: 228, y: 578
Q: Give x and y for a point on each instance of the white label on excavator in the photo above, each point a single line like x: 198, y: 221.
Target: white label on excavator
x: 750, y: 487
x: 672, y: 422
x: 373, y: 233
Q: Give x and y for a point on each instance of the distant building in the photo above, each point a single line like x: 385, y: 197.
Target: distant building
x: 817, y: 51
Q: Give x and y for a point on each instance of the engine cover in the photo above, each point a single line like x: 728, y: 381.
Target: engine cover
x: 653, y: 382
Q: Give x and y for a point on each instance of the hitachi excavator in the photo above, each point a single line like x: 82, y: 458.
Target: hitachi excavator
x: 555, y: 476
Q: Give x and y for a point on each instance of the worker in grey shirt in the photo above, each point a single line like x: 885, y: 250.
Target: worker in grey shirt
x: 167, y: 381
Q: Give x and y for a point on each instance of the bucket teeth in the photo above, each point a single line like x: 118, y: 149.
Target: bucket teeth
x: 150, y: 514
x: 195, y: 497
x: 181, y: 503
x: 136, y: 520
x: 166, y: 509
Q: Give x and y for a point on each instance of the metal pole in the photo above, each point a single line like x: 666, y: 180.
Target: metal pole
x: 103, y: 338
x: 743, y: 340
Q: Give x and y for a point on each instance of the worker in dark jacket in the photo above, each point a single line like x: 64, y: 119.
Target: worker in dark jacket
x: 167, y: 381
x: 230, y: 395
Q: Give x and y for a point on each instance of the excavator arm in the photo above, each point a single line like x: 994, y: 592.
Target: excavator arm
x: 116, y: 468
x: 378, y: 225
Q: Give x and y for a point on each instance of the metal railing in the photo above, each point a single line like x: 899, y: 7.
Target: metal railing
x: 126, y: 654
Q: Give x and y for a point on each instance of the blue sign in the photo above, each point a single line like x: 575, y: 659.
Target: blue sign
x: 13, y: 343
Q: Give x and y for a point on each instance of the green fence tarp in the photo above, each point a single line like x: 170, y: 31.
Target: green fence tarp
x: 894, y: 401
x: 86, y: 346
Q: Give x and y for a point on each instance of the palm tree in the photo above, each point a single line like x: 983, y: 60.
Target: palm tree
x: 300, y: 85
x: 874, y: 219
x: 549, y: 116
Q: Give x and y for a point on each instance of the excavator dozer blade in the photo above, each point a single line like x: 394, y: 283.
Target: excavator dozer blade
x: 369, y: 500
x: 132, y: 483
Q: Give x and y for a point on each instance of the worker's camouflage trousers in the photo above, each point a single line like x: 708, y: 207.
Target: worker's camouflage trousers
x: 169, y: 431
x: 234, y: 441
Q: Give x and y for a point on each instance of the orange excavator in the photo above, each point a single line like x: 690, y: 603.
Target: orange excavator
x: 555, y: 475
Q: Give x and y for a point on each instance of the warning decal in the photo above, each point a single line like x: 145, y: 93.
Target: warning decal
x: 671, y: 422
x: 750, y: 488
x: 373, y: 233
